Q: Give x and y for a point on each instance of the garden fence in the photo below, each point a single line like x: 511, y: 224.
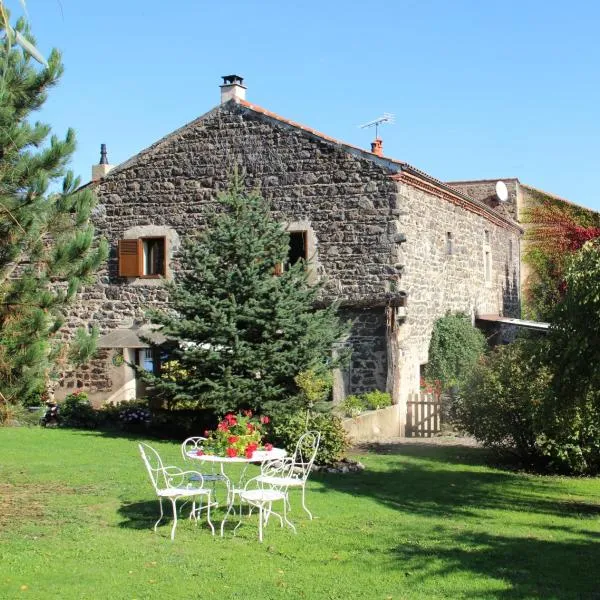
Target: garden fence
x: 423, y: 415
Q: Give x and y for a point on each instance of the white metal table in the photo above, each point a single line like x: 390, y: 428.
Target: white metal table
x: 258, y: 456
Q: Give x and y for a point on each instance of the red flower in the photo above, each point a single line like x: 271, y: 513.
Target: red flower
x: 268, y: 447
x: 223, y: 426
x: 249, y: 452
x: 199, y: 452
x: 231, y: 452
x: 247, y: 413
x: 230, y: 419
x: 233, y: 439
x: 249, y: 427
x: 264, y: 420
x: 252, y: 446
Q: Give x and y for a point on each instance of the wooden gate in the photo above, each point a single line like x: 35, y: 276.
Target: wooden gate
x: 423, y: 415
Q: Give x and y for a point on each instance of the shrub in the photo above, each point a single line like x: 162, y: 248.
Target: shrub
x: 17, y: 415
x: 455, y: 348
x: 334, y: 440
x: 76, y: 411
x: 376, y: 399
x: 500, y: 404
x: 352, y: 406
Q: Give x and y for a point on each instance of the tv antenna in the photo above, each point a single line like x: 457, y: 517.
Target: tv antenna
x: 385, y: 118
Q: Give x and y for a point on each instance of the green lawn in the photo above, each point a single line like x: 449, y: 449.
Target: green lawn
x: 76, y: 513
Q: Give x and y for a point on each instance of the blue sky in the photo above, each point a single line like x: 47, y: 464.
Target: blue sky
x: 479, y: 89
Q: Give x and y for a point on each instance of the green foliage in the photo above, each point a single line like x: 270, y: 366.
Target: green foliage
x: 46, y: 239
x: 334, y: 440
x: 455, y: 348
x: 315, y: 388
x: 575, y: 330
x: 76, y: 411
x: 500, y: 403
x: 244, y: 333
x: 354, y: 405
x: 18, y: 415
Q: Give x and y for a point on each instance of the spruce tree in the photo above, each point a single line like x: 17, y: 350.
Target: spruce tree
x: 47, y: 248
x: 243, y: 332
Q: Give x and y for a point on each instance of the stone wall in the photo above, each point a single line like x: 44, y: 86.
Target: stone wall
x: 355, y: 212
x: 347, y: 201
x: 484, y: 190
x: 437, y: 282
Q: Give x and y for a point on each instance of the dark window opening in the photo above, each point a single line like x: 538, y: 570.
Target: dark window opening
x: 297, y: 249
x: 449, y: 243
x: 154, y: 256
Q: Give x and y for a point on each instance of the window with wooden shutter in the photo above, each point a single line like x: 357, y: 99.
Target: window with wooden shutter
x: 130, y: 258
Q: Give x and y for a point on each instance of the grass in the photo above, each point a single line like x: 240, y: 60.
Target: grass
x: 76, y: 513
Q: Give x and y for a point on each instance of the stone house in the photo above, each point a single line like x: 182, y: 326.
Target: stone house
x: 397, y: 247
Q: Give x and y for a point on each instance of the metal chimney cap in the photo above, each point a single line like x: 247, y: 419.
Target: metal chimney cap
x: 103, y: 155
x: 232, y: 80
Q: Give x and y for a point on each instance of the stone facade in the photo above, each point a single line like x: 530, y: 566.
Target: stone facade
x: 378, y: 231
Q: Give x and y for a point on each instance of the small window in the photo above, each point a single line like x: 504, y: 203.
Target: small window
x: 297, y: 251
x: 486, y: 236
x: 154, y: 256
x: 146, y: 359
x: 143, y: 257
x: 449, y: 243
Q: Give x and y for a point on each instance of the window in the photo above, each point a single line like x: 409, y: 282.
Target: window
x: 510, y: 251
x: 146, y: 359
x: 142, y: 257
x: 449, y: 243
x: 487, y: 257
x: 297, y: 251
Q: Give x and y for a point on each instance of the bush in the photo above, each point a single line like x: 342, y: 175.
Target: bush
x: 454, y: 350
x: 76, y: 411
x: 334, y: 440
x: 17, y: 415
x: 352, y: 406
x: 376, y: 399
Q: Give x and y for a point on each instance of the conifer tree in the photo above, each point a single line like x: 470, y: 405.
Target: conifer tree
x: 243, y: 331
x: 46, y: 240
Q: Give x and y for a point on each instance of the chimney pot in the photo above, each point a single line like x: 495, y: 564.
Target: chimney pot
x: 377, y: 147
x: 233, y: 88
x: 102, y: 169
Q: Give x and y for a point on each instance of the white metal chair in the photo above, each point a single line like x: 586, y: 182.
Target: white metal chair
x: 192, y: 445
x: 174, y: 483
x: 302, y: 462
x: 262, y: 495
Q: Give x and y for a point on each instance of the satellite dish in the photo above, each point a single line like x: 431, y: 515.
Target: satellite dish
x: 501, y: 191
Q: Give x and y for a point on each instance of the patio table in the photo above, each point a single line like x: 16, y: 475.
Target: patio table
x: 258, y: 456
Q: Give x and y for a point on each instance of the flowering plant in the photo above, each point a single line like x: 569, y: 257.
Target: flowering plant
x: 236, y: 435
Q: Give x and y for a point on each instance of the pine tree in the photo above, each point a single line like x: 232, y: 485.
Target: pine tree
x: 47, y: 248
x: 243, y: 332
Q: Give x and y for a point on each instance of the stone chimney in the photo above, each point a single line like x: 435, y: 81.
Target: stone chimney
x: 377, y: 147
x: 102, y: 169
x: 233, y: 88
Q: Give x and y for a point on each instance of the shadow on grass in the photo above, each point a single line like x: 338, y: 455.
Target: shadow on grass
x: 531, y: 567
x: 451, y: 483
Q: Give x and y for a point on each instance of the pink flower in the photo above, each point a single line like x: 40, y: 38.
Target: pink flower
x: 231, y: 452
x: 247, y: 413
x: 200, y: 452
x: 268, y: 447
x: 206, y: 433
x: 249, y: 427
x: 264, y: 420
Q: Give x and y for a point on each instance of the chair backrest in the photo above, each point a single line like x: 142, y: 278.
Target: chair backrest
x: 306, y: 452
x: 191, y: 444
x: 155, y: 467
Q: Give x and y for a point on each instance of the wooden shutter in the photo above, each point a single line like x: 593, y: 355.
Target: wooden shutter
x: 131, y: 255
